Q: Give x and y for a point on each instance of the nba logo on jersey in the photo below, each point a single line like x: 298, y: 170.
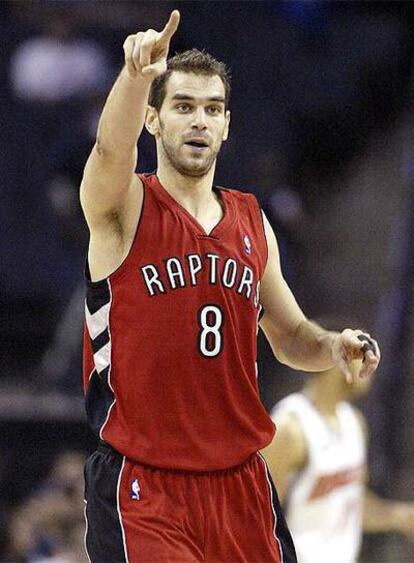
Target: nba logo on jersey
x: 247, y: 244
x: 135, y: 489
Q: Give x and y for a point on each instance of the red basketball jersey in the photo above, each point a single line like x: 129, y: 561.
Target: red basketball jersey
x: 171, y: 338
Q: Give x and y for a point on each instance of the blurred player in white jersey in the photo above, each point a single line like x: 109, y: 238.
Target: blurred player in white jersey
x: 318, y: 463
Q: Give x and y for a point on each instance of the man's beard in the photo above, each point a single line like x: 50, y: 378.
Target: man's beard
x: 194, y: 169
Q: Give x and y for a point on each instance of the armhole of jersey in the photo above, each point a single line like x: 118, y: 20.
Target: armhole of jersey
x: 263, y: 231
x: 259, y: 214
x: 119, y: 270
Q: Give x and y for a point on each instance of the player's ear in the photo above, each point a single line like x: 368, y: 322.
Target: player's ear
x: 227, y: 126
x: 152, y: 123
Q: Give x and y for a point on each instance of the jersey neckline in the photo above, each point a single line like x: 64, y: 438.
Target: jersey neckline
x: 219, y: 229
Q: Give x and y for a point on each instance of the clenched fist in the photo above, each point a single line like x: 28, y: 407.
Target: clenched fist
x: 146, y: 52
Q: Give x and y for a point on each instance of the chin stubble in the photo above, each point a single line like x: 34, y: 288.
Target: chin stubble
x: 180, y: 167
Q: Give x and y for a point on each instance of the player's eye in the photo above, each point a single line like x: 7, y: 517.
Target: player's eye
x: 183, y: 108
x: 214, y: 110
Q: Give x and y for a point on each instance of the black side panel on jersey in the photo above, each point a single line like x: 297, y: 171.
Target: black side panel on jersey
x: 100, y: 341
x: 104, y: 538
x: 97, y: 295
x: 98, y: 400
x: 99, y: 396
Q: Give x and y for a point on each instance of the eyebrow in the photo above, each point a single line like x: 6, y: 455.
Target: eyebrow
x: 179, y: 96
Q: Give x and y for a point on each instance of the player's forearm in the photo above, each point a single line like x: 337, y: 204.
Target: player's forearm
x: 381, y: 515
x: 309, y: 348
x: 123, y: 117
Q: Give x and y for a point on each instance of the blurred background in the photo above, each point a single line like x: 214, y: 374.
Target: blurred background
x: 322, y: 132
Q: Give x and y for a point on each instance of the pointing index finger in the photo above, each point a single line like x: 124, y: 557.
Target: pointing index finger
x: 170, y: 27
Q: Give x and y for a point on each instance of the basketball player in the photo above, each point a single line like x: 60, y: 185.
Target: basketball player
x: 179, y: 270
x: 318, y: 462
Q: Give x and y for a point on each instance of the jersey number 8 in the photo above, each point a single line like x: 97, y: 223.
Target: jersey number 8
x: 210, y: 337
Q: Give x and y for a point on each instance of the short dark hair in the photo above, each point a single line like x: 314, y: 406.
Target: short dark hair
x: 191, y: 61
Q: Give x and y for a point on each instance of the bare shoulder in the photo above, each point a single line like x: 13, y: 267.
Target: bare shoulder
x: 289, y: 431
x: 267, y: 226
x: 289, y: 447
x: 269, y: 233
x: 288, y: 452
x: 112, y: 236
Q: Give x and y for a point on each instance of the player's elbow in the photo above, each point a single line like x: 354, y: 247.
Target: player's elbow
x: 99, y: 147
x: 279, y: 346
x: 279, y: 343
x: 104, y: 151
x: 114, y: 152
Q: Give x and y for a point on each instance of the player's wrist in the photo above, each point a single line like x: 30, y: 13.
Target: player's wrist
x: 332, y: 343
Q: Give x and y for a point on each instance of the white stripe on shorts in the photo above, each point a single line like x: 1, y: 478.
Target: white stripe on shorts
x: 118, y: 504
x: 273, y: 509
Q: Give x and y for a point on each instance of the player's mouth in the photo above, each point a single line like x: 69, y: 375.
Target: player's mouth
x: 197, y: 144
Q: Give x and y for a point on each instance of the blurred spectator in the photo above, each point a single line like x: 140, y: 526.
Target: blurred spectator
x: 318, y: 461
x: 49, y: 525
x: 56, y: 77
x: 56, y: 65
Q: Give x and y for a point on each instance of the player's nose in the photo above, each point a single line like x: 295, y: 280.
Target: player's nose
x: 199, y: 119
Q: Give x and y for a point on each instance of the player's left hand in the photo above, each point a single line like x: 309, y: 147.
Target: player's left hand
x: 353, y: 345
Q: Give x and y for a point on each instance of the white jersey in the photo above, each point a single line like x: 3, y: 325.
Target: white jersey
x: 323, y: 506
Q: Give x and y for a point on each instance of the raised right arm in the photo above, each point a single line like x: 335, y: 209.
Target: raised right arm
x: 111, y: 193
x: 111, y: 165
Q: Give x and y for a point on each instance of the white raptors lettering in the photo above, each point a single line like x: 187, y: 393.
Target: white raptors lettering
x: 174, y: 273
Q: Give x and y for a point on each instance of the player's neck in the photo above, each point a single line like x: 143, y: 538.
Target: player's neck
x: 324, y: 398
x: 194, y: 193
